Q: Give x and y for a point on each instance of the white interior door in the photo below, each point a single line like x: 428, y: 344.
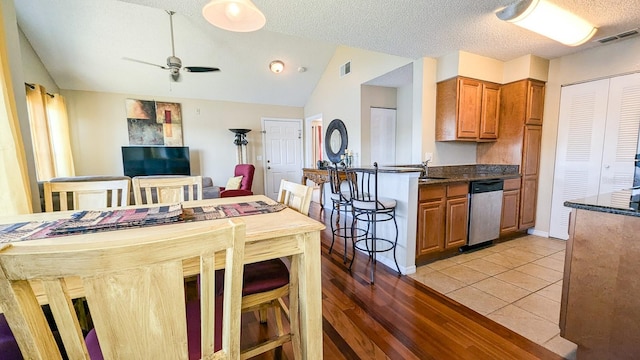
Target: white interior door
x: 597, y: 143
x: 621, y: 134
x: 583, y: 111
x: 283, y: 153
x: 383, y: 136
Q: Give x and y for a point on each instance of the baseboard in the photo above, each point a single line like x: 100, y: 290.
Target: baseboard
x: 535, y: 232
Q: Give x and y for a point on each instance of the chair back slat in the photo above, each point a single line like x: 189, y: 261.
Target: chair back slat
x: 295, y: 196
x: 166, y: 189
x: 364, y: 183
x: 87, y: 194
x: 134, y: 287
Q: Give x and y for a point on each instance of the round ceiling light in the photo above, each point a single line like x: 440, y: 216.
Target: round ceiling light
x: 276, y: 66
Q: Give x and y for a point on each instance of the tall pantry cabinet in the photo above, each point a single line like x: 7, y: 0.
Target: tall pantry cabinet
x: 520, y: 129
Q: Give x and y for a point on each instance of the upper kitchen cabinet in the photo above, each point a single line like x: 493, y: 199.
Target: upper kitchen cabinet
x: 521, y: 108
x: 467, y: 110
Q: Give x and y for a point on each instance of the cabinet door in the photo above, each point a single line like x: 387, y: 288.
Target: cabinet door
x: 535, y: 103
x: 530, y: 166
x: 431, y: 215
x: 490, y: 111
x: 531, y: 150
x: 529, y: 197
x: 510, y: 211
x: 457, y: 221
x: 469, y: 108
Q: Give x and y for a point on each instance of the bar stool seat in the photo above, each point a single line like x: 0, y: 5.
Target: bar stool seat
x: 381, y: 205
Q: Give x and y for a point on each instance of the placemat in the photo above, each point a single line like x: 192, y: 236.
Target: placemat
x: 91, y: 221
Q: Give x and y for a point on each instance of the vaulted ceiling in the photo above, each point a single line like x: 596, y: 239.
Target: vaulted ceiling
x: 82, y: 43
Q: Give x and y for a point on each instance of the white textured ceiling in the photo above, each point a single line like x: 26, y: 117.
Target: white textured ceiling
x: 82, y: 42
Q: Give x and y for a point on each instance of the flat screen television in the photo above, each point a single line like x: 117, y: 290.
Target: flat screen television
x: 156, y: 160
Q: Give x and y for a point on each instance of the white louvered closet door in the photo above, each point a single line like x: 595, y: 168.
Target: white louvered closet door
x: 597, y: 138
x: 621, y: 134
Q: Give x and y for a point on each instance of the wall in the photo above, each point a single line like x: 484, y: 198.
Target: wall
x: 404, y: 124
x: 603, y: 61
x: 527, y: 66
x: 12, y: 38
x: 99, y: 128
x: 34, y: 70
x: 338, y: 97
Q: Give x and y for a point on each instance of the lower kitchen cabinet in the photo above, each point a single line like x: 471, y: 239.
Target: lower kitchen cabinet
x: 443, y: 216
x: 457, y: 216
x: 510, y: 206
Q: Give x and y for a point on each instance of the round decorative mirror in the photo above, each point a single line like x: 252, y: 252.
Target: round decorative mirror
x: 336, y: 140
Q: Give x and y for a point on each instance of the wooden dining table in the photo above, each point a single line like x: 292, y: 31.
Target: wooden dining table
x: 285, y: 233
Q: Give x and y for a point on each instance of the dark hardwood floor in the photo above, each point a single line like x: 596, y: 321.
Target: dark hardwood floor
x: 397, y: 318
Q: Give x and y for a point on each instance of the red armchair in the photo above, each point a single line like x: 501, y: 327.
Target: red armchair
x: 246, y: 170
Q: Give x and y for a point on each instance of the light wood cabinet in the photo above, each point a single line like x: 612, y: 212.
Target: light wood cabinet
x: 520, y: 127
x: 457, y: 221
x: 443, y: 215
x: 467, y: 110
x: 431, y: 231
x: 530, y: 166
x: 535, y: 103
x: 510, y: 206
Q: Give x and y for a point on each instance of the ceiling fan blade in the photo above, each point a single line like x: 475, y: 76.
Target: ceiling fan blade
x: 145, y: 62
x: 198, y: 69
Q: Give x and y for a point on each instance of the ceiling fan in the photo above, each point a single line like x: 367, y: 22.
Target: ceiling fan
x: 174, y: 64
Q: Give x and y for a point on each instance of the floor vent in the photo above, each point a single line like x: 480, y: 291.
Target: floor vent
x: 345, y: 69
x: 620, y: 36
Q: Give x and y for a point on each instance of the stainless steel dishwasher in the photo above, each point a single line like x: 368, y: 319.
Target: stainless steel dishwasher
x: 485, y: 210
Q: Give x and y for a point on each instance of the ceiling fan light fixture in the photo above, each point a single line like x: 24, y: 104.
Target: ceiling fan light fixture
x: 234, y: 15
x: 549, y: 20
x: 276, y: 66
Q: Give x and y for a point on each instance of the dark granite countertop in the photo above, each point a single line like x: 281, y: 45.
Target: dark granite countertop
x: 623, y: 202
x: 456, y: 173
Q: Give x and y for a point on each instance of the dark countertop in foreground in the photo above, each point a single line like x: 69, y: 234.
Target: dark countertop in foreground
x: 623, y: 202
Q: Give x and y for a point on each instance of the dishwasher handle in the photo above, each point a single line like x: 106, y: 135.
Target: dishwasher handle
x: 483, y: 186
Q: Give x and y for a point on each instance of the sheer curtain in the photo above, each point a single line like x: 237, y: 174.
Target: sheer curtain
x: 42, y: 152
x: 50, y: 133
x: 59, y: 132
x: 15, y: 194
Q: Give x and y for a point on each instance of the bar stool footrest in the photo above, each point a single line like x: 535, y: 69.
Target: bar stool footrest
x: 388, y: 245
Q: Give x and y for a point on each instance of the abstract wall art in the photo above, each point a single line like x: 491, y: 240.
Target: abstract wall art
x: 154, y: 123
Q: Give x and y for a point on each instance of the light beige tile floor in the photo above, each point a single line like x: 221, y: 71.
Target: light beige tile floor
x: 517, y: 283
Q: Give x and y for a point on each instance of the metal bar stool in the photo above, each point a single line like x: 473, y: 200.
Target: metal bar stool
x: 368, y: 208
x: 340, y: 181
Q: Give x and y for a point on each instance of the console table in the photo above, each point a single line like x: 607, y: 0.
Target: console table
x: 318, y: 176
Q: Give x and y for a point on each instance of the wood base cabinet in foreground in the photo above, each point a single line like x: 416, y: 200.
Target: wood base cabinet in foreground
x: 600, y: 306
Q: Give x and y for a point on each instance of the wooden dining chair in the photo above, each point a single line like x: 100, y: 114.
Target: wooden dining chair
x: 295, y: 196
x: 166, y: 189
x: 266, y: 283
x: 83, y: 195
x: 134, y: 287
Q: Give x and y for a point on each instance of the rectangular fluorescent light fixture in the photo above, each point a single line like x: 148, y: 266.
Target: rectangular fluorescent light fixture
x: 549, y: 20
